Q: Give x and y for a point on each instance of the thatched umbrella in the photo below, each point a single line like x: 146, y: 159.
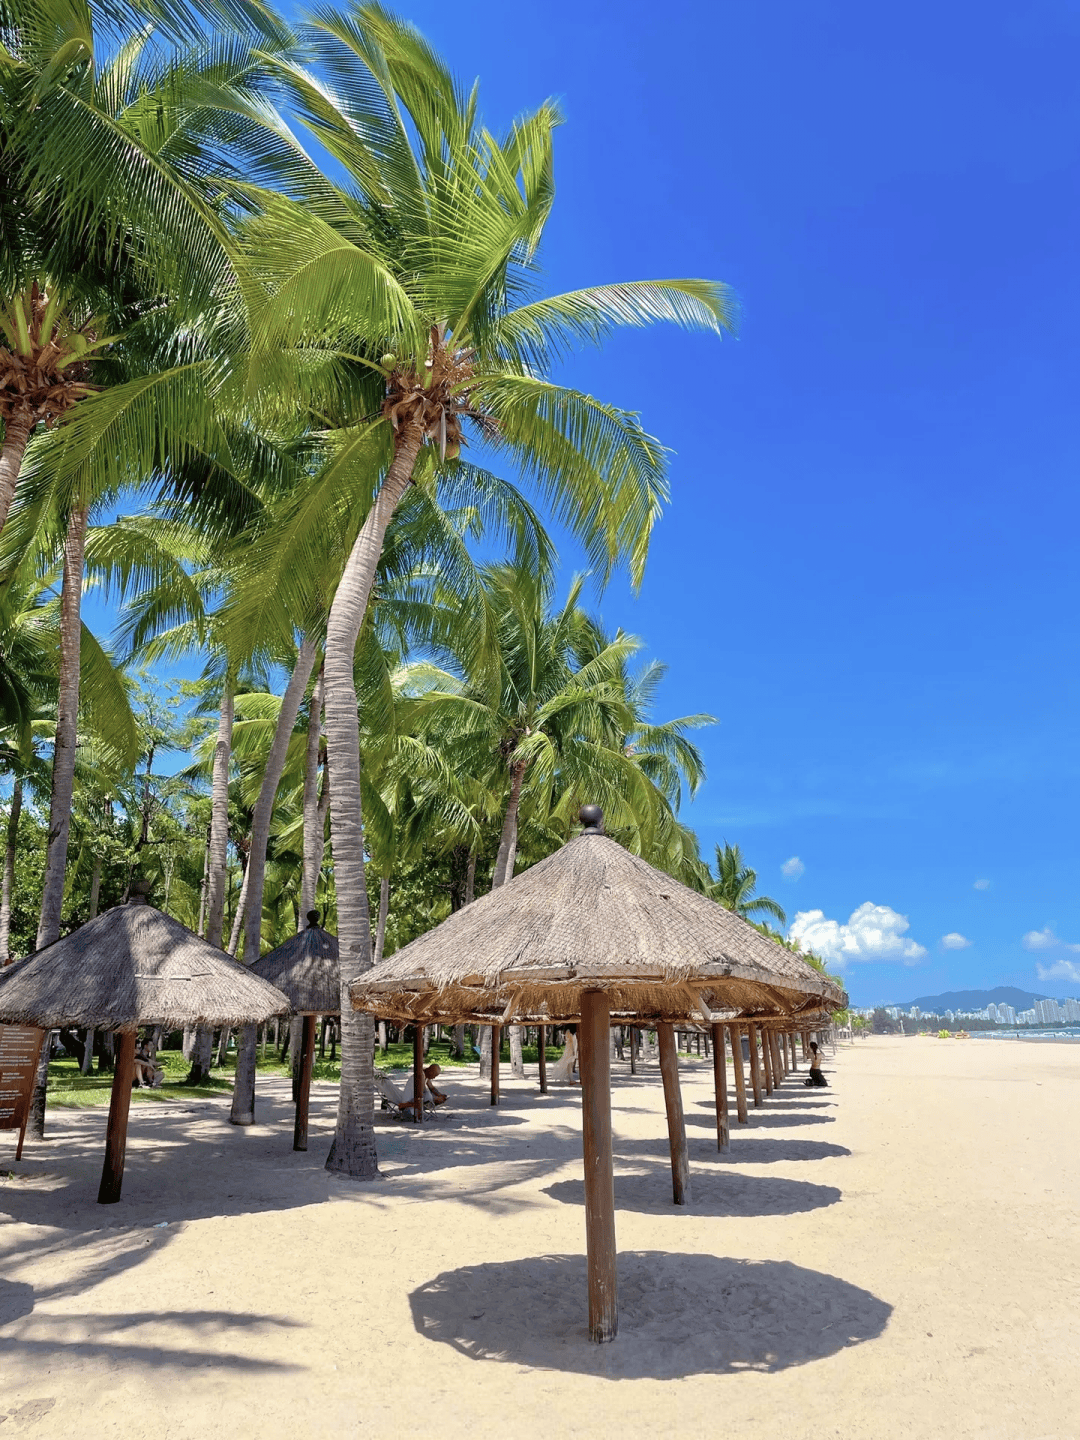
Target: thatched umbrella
x: 132, y: 966
x: 305, y: 969
x: 592, y: 935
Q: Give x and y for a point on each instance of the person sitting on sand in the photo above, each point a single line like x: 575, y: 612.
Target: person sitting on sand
x: 816, y: 1076
x: 430, y: 1071
x: 563, y: 1069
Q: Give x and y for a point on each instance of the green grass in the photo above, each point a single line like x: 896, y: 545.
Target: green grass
x: 69, y: 1089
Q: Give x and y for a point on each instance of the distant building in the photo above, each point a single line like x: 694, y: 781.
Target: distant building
x: 914, y: 1012
x: 1049, y: 1012
x: 1072, y: 1011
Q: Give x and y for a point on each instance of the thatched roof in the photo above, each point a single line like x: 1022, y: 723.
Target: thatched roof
x: 305, y: 969
x: 134, y: 966
x: 592, y: 917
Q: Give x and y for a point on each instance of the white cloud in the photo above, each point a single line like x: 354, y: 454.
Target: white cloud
x: 981, y: 885
x: 1060, y: 970
x: 955, y: 941
x: 792, y: 869
x: 1044, y: 940
x: 873, y: 932
x: 1039, y: 939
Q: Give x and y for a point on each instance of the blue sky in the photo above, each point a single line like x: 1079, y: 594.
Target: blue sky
x: 868, y: 569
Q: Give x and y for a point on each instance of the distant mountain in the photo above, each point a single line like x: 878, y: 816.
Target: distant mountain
x: 973, y: 1000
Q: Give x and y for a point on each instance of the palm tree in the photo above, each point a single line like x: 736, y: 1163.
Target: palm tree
x: 735, y: 885
x: 554, y: 707
x: 408, y: 290
x: 44, y: 371
x: 124, y: 126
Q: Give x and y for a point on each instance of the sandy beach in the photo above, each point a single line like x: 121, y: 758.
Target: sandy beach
x: 896, y: 1256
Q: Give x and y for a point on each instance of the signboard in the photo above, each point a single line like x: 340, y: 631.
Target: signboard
x: 20, y: 1047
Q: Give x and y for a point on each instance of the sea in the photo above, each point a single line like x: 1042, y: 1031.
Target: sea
x: 1063, y: 1035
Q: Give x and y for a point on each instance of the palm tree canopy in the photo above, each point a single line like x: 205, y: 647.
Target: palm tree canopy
x: 408, y: 299
x: 735, y: 886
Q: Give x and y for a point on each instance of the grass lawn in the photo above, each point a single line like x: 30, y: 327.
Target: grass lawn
x: 68, y: 1088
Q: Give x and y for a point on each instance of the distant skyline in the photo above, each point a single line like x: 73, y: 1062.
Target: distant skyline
x: 868, y: 571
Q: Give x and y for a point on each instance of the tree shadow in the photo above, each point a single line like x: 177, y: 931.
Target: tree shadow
x: 714, y: 1192
x: 16, y: 1300
x: 98, y: 1339
x: 679, y: 1315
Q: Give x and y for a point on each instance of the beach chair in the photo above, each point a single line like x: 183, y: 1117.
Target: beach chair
x: 399, y: 1104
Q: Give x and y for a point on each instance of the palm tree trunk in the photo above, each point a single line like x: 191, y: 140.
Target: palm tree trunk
x: 95, y: 895
x: 8, y: 887
x: 470, y: 896
x: 485, y: 1052
x: 314, y: 822
x: 203, y: 887
x: 67, y: 717
x: 219, y: 818
x: 504, y: 863
x: 243, y: 1102
x: 95, y: 887
x: 380, y: 941
x: 384, y: 909
x: 63, y: 771
x: 353, y: 1151
x: 17, y: 432
x: 517, y: 1062
x: 218, y: 855
x: 241, y: 911
x: 504, y: 870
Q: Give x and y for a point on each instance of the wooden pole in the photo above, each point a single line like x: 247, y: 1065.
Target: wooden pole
x: 669, y: 1069
x: 740, y: 1078
x: 496, y: 1046
x: 112, y: 1174
x: 766, y: 1062
x: 780, y: 1068
x: 719, y: 1062
x: 594, y: 1063
x: 755, y: 1066
x: 794, y: 1053
x: 542, y: 1052
x: 633, y: 1049
x: 418, y: 1073
x: 303, y: 1098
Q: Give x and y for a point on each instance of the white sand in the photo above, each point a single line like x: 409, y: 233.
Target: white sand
x: 897, y: 1256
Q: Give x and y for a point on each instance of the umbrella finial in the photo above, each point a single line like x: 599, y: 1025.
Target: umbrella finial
x: 139, y: 892
x: 312, y: 919
x: 592, y: 817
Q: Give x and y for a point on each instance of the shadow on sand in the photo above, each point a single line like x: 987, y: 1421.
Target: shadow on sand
x: 679, y: 1315
x: 103, y: 1337
x: 714, y: 1192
